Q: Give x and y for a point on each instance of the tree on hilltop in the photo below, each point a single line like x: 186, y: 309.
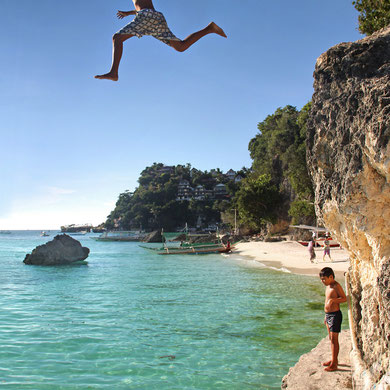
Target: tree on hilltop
x: 279, y: 152
x: 374, y: 15
x: 154, y: 204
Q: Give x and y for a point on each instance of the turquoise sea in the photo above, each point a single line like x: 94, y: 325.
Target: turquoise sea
x: 131, y: 319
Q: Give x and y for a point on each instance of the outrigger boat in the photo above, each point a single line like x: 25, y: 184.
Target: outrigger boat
x: 120, y: 236
x: 80, y: 233
x: 201, y: 249
x: 186, y: 248
x: 319, y: 240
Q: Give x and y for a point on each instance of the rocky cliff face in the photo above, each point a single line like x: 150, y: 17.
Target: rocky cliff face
x: 349, y: 160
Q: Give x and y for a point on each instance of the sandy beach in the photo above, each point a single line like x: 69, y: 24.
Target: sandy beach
x: 293, y: 257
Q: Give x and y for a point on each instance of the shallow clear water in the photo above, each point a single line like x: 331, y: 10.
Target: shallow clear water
x: 117, y: 322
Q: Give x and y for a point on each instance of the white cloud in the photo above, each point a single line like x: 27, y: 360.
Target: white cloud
x: 51, y: 195
x: 51, y: 207
x: 53, y: 217
x: 59, y: 191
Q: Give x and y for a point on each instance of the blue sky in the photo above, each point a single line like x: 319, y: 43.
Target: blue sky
x: 70, y: 144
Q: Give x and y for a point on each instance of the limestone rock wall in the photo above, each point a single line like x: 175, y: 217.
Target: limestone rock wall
x: 349, y: 161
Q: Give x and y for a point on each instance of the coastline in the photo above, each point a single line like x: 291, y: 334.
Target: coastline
x: 292, y: 257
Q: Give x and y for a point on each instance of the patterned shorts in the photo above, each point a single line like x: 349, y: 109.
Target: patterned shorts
x: 149, y: 22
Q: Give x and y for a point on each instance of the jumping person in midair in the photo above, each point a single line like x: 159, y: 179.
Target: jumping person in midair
x: 148, y: 21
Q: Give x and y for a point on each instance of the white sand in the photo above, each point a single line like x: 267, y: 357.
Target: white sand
x: 292, y: 256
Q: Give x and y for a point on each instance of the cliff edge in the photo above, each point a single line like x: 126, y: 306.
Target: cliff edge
x: 349, y: 161
x: 309, y: 374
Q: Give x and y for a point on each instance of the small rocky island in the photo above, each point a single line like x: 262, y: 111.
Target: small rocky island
x: 62, y: 250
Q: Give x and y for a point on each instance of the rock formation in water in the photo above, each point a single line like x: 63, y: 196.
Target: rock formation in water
x: 155, y: 236
x: 62, y: 250
x: 349, y: 161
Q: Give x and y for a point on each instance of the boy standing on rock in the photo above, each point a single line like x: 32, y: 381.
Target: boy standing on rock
x: 334, y: 295
x: 148, y: 21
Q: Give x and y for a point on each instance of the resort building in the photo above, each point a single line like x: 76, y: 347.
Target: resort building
x: 200, y: 193
x: 230, y: 174
x: 209, y: 194
x: 220, y: 190
x: 166, y: 169
x: 238, y: 178
x: 185, y: 191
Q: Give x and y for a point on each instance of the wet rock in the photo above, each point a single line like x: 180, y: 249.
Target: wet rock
x: 62, y: 250
x: 154, y: 237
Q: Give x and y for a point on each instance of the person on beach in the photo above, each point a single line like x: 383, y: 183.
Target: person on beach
x: 312, y: 253
x: 326, y: 249
x: 334, y: 295
x: 148, y: 21
x: 228, y: 247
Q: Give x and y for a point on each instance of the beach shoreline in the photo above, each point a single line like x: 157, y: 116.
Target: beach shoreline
x: 293, y: 257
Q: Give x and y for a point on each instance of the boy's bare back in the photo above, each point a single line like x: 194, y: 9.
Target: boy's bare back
x: 143, y: 4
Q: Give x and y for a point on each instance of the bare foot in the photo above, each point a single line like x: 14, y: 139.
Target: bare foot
x: 326, y: 364
x: 218, y: 30
x: 331, y: 368
x: 107, y: 76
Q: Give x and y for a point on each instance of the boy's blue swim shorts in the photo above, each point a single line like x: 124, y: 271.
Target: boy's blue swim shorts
x: 334, y: 320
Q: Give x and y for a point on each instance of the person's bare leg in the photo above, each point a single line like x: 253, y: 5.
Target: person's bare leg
x: 329, y: 362
x: 117, y: 50
x: 334, y: 339
x: 194, y: 37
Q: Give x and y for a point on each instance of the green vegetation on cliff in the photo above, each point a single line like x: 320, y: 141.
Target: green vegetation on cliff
x: 277, y: 187
x: 170, y: 197
x: 374, y: 15
x: 257, y: 201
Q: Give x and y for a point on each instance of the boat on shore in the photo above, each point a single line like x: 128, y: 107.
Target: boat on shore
x: 321, y: 243
x: 76, y: 228
x: 187, y: 248
x: 200, y: 249
x: 332, y: 243
x: 80, y: 233
x: 320, y: 235
x: 120, y: 236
